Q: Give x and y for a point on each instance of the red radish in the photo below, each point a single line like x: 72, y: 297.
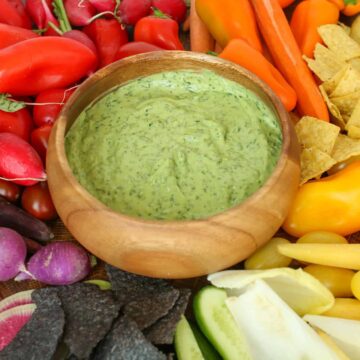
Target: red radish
x: 40, y: 140
x: 103, y: 5
x: 19, y: 123
x: 19, y: 162
x: 12, y: 321
x: 176, y: 9
x: 20, y: 298
x: 131, y: 11
x: 108, y: 35
x: 49, y: 105
x: 79, y: 12
x: 82, y: 38
x: 12, y: 254
x: 136, y: 47
x: 41, y: 14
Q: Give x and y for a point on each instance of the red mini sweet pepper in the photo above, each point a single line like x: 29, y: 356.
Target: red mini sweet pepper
x: 13, y: 12
x: 10, y: 35
x: 159, y: 30
x: 108, y: 35
x: 35, y: 65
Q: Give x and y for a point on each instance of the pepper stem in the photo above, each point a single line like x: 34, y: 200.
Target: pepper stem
x: 60, y: 12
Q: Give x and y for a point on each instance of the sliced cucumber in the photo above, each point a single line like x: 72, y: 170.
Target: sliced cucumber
x: 186, y: 346
x: 218, y: 325
x: 208, y: 351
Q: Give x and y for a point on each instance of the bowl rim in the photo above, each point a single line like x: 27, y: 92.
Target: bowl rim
x: 59, y: 133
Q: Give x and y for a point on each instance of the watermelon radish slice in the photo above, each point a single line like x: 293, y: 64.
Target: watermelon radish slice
x: 20, y: 298
x: 11, y: 322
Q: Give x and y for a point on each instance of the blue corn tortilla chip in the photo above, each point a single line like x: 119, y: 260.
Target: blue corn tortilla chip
x: 39, y: 338
x: 129, y: 287
x: 162, y: 332
x: 125, y: 341
x: 147, y: 310
x: 89, y: 314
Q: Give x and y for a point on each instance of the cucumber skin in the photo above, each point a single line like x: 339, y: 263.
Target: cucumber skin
x: 226, y: 353
x: 208, y: 351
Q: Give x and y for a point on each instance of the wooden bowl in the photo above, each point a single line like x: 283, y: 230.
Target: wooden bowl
x: 171, y: 249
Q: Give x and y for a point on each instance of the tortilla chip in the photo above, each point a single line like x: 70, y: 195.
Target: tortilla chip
x: 345, y: 148
x: 331, y: 84
x: 326, y: 63
x: 334, y: 110
x: 355, y: 63
x: 312, y: 132
x: 346, y: 28
x: 353, y: 125
x: 339, y: 41
x: 354, y: 132
x: 347, y: 84
x: 314, y: 163
x: 346, y: 104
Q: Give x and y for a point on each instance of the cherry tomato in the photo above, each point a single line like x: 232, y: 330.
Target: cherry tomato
x: 37, y: 201
x: 355, y: 285
x: 322, y: 237
x: 267, y: 257
x: 335, y: 279
x: 47, y: 114
x: 9, y: 191
x: 40, y: 140
x: 345, y: 308
x: 18, y: 123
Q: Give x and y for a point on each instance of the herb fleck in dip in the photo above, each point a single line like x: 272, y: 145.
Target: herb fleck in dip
x: 174, y: 145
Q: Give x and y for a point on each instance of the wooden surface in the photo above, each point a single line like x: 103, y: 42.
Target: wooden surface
x: 170, y: 249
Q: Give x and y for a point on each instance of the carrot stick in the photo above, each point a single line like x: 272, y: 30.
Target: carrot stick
x: 287, y: 57
x: 200, y: 38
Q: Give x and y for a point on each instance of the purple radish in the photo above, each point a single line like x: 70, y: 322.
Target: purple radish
x: 82, y: 38
x: 79, y: 12
x: 12, y: 253
x: 20, y: 298
x: 12, y: 321
x: 58, y: 263
x: 103, y: 5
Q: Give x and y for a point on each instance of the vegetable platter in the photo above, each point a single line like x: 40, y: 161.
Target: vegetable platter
x: 296, y: 297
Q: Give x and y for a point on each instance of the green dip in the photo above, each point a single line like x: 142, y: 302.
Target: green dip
x: 174, y: 145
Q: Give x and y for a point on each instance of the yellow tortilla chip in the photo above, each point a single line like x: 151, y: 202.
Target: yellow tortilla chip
x: 353, y: 125
x: 354, y: 132
x: 355, y: 63
x: 347, y: 84
x: 346, y: 28
x: 334, y: 110
x: 314, y: 162
x: 312, y: 132
x: 331, y: 84
x: 345, y: 147
x: 325, y: 64
x: 346, y: 104
x: 339, y: 41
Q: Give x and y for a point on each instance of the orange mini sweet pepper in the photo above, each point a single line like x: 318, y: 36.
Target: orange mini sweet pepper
x: 240, y: 52
x: 331, y: 204
x: 352, y: 7
x: 229, y: 19
x: 307, y: 17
